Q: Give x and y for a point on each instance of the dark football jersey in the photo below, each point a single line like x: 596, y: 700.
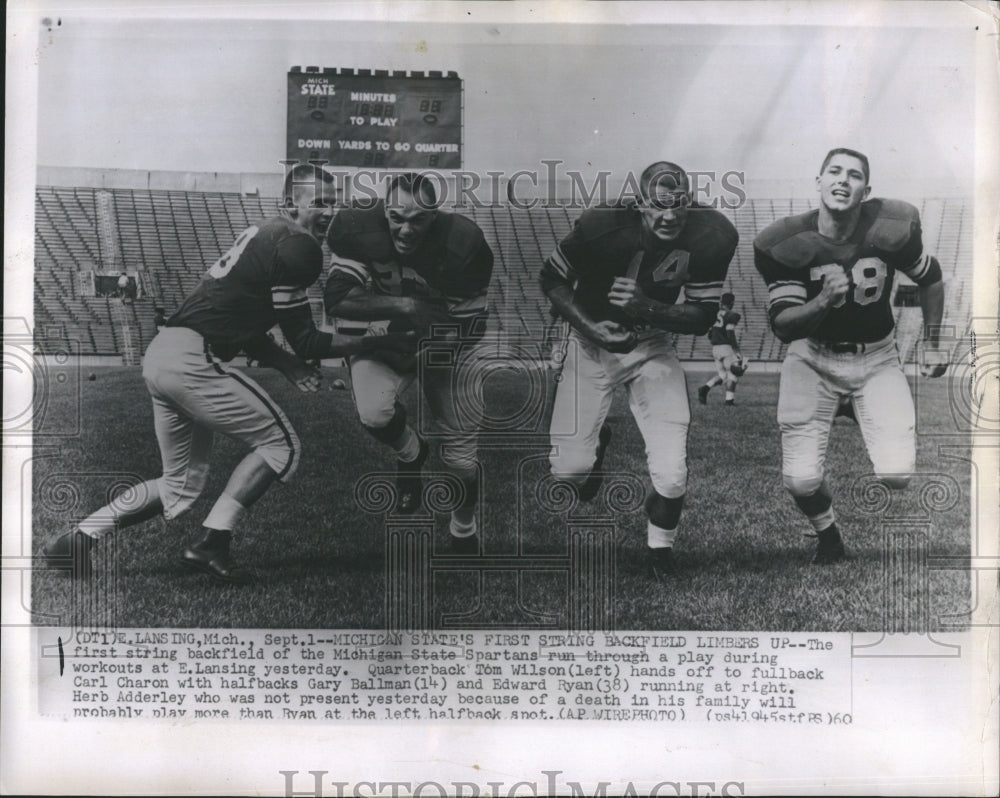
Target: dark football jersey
x: 605, y: 242
x: 793, y: 258
x: 453, y: 263
x: 259, y: 282
x: 724, y: 320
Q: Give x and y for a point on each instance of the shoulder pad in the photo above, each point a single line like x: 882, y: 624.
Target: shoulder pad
x: 596, y: 222
x: 710, y: 223
x: 894, y: 224
x: 783, y: 242
x: 462, y: 235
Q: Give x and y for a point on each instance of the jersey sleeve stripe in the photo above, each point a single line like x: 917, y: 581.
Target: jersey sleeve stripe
x: 559, y: 264
x: 467, y: 307
x: 351, y: 268
x: 710, y: 284
x: 918, y: 268
x: 793, y: 294
x: 696, y: 294
x: 283, y: 297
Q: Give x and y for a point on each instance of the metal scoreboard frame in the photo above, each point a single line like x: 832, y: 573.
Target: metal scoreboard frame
x: 376, y: 119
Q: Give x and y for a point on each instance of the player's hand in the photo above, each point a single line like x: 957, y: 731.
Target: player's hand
x: 836, y: 284
x: 934, y: 362
x: 612, y: 337
x: 424, y: 313
x: 626, y: 294
x: 301, y: 375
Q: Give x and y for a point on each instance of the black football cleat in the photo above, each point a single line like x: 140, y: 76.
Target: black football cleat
x: 730, y: 402
x: 588, y: 490
x: 703, y: 394
x: 830, y: 549
x: 211, y: 556
x: 846, y: 410
x: 70, y: 552
x: 661, y: 563
x: 409, y: 483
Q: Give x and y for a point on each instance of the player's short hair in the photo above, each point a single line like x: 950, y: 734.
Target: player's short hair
x: 727, y: 299
x: 852, y: 153
x: 312, y: 176
x: 663, y: 173
x: 418, y: 185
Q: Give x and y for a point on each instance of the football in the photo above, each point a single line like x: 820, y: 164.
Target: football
x: 739, y: 366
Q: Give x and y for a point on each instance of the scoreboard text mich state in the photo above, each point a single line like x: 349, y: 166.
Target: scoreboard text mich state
x: 377, y: 119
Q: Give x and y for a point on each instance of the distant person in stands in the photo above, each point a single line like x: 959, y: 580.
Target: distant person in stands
x: 829, y: 275
x: 725, y: 351
x: 123, y: 286
x: 159, y: 318
x: 259, y: 282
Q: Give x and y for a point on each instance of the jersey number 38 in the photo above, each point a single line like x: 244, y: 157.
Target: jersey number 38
x: 867, y: 278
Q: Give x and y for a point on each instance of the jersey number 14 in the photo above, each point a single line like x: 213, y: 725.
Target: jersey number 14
x: 867, y: 276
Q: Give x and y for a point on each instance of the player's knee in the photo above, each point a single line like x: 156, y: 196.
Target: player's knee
x: 803, y: 484
x: 571, y: 464
x: 668, y: 475
x: 282, y: 455
x: 179, y: 491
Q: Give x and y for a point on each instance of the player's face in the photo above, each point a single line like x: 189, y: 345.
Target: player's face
x: 313, y: 213
x: 842, y: 185
x: 408, y: 221
x: 665, y: 212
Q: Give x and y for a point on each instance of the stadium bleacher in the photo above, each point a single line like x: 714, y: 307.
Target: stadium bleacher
x: 171, y: 237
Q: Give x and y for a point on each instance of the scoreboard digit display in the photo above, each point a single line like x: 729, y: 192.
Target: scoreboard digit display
x: 377, y: 119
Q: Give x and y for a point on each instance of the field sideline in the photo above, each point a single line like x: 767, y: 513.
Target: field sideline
x: 321, y: 560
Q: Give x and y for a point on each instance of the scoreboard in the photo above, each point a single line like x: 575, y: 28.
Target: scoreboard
x: 377, y: 119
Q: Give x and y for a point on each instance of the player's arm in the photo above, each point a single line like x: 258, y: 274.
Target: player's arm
x: 925, y: 271
x: 792, y: 317
x: 702, y: 292
x: 267, y: 353
x: 693, y: 318
x: 347, y: 295
x: 556, y: 280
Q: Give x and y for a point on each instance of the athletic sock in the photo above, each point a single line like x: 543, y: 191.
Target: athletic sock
x: 659, y: 538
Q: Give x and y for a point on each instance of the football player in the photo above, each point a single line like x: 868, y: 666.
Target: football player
x: 407, y: 265
x: 260, y: 281
x: 616, y: 279
x: 725, y: 351
x: 829, y: 274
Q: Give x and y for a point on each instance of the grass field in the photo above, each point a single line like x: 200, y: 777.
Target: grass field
x: 322, y: 561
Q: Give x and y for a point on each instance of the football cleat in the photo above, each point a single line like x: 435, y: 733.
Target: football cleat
x: 70, y: 552
x: 409, y: 483
x: 830, y: 549
x: 730, y: 402
x: 703, y: 394
x: 213, y: 558
x: 588, y: 490
x: 661, y: 563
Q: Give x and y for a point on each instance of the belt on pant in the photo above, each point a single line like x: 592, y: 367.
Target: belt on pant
x: 841, y: 348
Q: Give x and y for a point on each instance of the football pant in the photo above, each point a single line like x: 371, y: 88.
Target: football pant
x: 812, y: 381
x: 657, y: 392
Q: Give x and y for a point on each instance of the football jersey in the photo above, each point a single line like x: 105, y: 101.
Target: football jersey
x: 605, y: 242
x: 260, y: 281
x: 452, y: 263
x: 724, y: 320
x: 793, y: 258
